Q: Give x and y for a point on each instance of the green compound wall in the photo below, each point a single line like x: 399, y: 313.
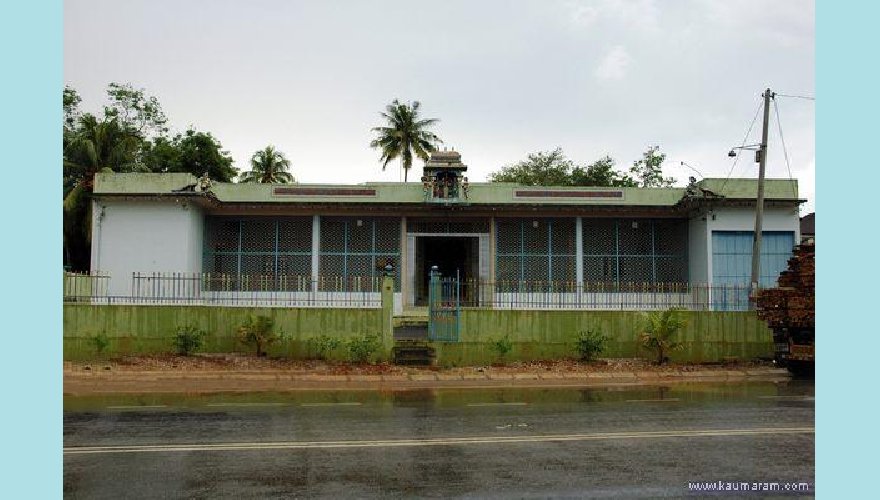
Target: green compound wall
x: 151, y: 329
x: 708, y: 336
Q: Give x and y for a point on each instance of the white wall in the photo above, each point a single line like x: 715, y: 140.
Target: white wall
x: 144, y: 236
x: 743, y: 219
x: 698, y: 250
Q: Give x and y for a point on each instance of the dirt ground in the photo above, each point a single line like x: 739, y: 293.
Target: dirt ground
x: 242, y: 362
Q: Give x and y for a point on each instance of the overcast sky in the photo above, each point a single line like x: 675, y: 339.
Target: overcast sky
x: 506, y: 78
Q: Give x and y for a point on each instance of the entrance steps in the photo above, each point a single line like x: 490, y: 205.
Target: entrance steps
x: 411, y: 325
x: 412, y: 352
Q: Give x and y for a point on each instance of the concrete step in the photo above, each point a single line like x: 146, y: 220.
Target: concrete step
x: 413, y: 353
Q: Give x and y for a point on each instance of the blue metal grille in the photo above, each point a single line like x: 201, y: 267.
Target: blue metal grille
x: 535, y: 249
x: 359, y: 247
x: 444, y: 308
x: 257, y: 253
x: 621, y: 251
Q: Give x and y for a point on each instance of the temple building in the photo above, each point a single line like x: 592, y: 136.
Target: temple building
x: 227, y: 238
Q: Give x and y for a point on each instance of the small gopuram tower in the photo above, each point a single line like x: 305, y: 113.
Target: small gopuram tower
x: 443, y: 178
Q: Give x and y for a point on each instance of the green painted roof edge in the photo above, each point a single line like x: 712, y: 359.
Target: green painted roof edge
x: 483, y: 193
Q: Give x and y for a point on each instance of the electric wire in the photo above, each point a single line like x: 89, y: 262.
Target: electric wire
x: 784, y: 149
x: 809, y: 98
x: 746, y: 138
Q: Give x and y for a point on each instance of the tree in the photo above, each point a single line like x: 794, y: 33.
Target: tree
x: 94, y: 146
x: 70, y: 100
x: 193, y: 152
x: 404, y: 135
x: 648, y: 171
x: 601, y: 173
x: 268, y: 166
x: 544, y: 168
x: 135, y: 110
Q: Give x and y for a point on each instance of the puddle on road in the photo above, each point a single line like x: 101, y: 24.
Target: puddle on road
x: 766, y: 392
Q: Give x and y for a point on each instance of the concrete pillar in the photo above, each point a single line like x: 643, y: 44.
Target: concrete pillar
x: 316, y: 251
x: 403, y: 265
x: 387, y: 316
x: 579, y: 249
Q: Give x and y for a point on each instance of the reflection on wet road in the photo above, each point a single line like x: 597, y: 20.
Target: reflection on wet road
x: 500, y: 442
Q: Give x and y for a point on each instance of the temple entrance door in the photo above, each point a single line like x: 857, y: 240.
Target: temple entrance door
x: 453, y: 255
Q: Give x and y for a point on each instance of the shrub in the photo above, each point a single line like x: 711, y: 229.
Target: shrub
x: 590, y: 343
x: 502, y: 347
x: 188, y: 340
x: 99, y: 342
x: 257, y: 332
x: 321, y: 346
x: 660, y: 328
x: 360, y: 349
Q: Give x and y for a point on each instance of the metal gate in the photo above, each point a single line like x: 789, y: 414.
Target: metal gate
x: 444, y: 308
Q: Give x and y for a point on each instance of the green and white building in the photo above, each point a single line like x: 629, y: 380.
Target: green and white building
x: 173, y: 237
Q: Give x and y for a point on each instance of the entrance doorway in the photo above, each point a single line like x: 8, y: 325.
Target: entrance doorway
x: 451, y: 254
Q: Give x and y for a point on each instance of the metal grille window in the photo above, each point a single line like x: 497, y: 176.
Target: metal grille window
x: 635, y: 250
x: 355, y: 248
x: 257, y: 254
x: 535, y: 249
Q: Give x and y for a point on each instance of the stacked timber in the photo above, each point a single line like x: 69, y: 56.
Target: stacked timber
x: 793, y: 303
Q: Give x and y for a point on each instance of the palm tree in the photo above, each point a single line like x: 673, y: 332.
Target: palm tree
x: 95, y: 145
x: 268, y: 166
x: 660, y: 329
x: 404, y: 136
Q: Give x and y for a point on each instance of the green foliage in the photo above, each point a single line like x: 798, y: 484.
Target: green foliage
x: 100, y: 342
x: 648, y: 170
x: 590, y: 344
x: 361, y: 349
x: 600, y: 173
x: 188, y: 339
x: 553, y: 168
x: 136, y: 111
x: 257, y: 333
x: 404, y: 135
x: 321, y: 346
x: 193, y: 152
x: 501, y: 347
x: 268, y: 166
x: 659, y: 333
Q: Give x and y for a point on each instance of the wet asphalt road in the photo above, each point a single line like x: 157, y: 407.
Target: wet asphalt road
x: 622, y: 442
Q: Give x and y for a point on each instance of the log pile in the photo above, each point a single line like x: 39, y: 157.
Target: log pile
x: 793, y: 303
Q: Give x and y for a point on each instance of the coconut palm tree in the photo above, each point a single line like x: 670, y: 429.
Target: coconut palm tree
x: 268, y: 166
x: 94, y: 146
x: 404, y: 136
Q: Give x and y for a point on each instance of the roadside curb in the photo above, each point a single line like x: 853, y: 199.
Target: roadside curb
x: 109, y: 382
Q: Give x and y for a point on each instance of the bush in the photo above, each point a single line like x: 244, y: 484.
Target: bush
x: 257, y: 332
x: 502, y: 347
x: 360, y: 349
x: 660, y: 328
x: 100, y: 342
x: 321, y: 346
x: 590, y: 344
x: 188, y: 340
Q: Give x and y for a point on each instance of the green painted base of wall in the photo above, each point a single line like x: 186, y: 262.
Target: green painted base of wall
x: 707, y: 336
x: 151, y: 329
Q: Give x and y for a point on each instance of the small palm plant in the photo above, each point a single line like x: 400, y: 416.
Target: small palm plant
x: 660, y: 331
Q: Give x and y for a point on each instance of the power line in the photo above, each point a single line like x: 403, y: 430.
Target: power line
x: 782, y: 139
x: 807, y: 97
x: 736, y: 158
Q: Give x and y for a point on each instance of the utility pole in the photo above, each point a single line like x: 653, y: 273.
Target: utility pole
x: 759, y: 209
